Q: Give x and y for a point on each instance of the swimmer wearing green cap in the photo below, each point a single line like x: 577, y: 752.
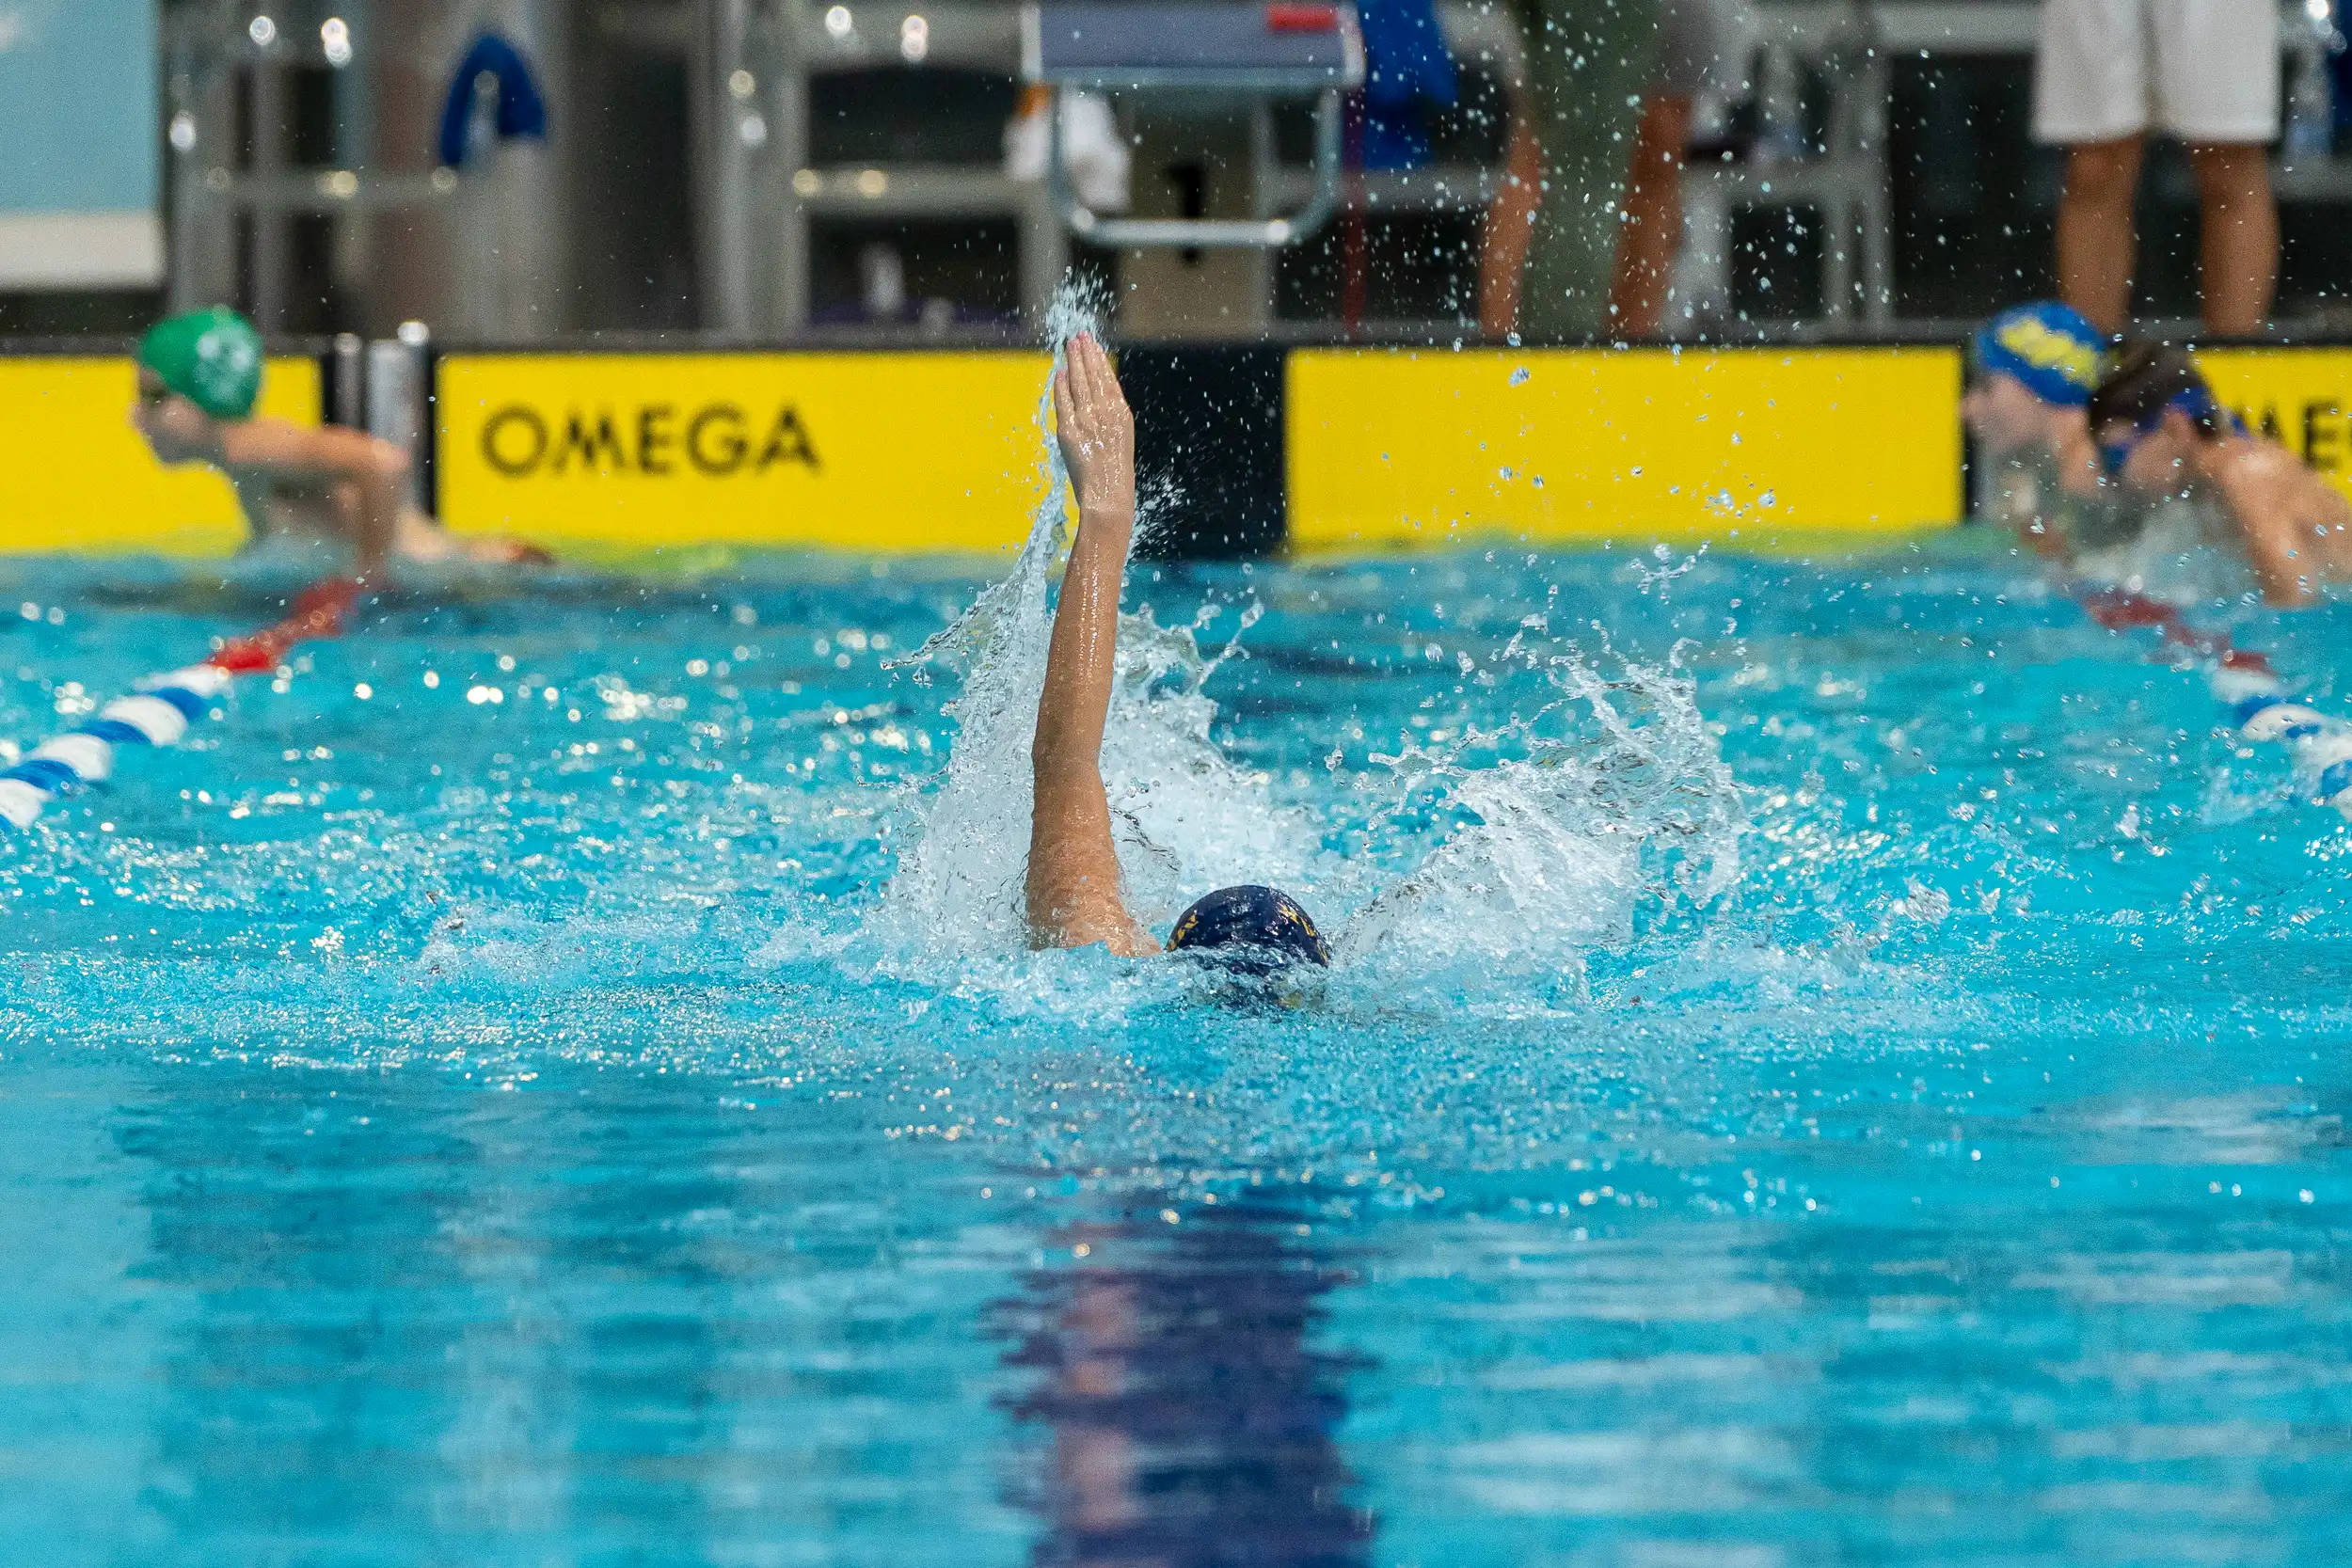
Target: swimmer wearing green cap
x: 200, y: 374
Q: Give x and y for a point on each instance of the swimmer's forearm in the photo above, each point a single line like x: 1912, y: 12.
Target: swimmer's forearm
x: 2275, y: 570
x: 2283, y: 585
x: 1082, y: 658
x: 1072, y: 889
x: 2283, y: 571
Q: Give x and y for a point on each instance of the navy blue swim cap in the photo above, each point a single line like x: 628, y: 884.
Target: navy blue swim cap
x: 1254, y: 930
x: 2046, y: 345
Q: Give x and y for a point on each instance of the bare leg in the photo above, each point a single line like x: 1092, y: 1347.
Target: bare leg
x: 1502, y: 250
x: 1587, y: 65
x: 1653, y: 217
x: 2096, y: 241
x: 2240, y: 246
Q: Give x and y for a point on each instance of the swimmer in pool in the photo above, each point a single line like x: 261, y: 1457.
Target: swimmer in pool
x: 2032, y: 371
x: 199, y: 376
x: 1072, y: 890
x: 2160, y: 434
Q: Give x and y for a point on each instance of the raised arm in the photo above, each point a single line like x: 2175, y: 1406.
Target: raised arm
x: 371, y: 476
x: 1073, y: 897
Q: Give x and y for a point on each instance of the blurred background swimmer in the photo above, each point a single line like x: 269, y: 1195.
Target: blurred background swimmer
x: 200, y: 374
x: 2161, y: 435
x: 2033, y: 369
x: 1073, y: 892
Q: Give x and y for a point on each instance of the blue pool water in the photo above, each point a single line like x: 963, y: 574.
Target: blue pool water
x: 1835, y: 1061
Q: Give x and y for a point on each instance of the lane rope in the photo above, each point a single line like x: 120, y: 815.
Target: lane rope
x: 2245, y: 683
x: 159, y: 712
x: 161, y: 708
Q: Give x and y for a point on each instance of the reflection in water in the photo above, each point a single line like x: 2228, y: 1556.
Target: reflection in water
x: 1191, y: 1421
x: 384, y: 1330
x: 410, y: 1320
x: 277, y: 1316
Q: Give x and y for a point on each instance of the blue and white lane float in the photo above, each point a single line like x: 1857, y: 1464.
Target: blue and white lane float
x: 65, y: 764
x: 159, y: 713
x: 2259, y: 706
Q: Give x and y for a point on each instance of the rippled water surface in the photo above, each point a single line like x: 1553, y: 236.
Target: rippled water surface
x: 1837, y: 1061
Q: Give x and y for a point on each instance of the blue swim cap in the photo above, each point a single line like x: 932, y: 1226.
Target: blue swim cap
x: 1253, y: 929
x: 2046, y: 345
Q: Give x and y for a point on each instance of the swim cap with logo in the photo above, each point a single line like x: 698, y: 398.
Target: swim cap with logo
x: 1253, y: 929
x: 2048, y: 346
x: 211, y: 357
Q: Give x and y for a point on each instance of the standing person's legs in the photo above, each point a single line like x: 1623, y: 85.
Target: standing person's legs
x: 1503, y: 251
x: 1588, y: 62
x: 2217, y: 90
x: 1702, y: 46
x: 2239, y: 247
x: 1652, y: 236
x: 2090, y: 96
x: 2097, y: 241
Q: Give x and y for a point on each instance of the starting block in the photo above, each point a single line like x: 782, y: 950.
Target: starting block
x: 1215, y: 50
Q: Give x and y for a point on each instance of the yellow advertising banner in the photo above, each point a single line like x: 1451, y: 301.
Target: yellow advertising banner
x: 886, y: 453
x: 898, y: 452
x: 2295, y: 396
x: 75, y: 477
x: 1405, y: 449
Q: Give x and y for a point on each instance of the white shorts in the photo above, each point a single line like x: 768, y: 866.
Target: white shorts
x: 2204, y: 71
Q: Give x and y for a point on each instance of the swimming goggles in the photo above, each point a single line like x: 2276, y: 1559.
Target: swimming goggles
x: 2114, y: 455
x: 2197, y: 406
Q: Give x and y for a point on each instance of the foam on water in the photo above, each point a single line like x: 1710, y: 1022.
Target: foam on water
x: 964, y: 845
x: 1561, y: 847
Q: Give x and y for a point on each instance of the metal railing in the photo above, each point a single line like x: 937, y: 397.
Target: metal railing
x: 761, y: 196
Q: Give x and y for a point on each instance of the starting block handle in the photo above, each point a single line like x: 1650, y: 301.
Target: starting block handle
x: 1208, y: 233
x: 1285, y: 48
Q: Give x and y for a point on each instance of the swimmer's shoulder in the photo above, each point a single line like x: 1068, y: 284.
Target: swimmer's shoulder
x: 279, y: 451
x: 2262, y: 481
x: 2254, y: 460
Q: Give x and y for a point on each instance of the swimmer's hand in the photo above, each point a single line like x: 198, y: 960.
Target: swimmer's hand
x: 1096, y: 432
x: 503, y: 551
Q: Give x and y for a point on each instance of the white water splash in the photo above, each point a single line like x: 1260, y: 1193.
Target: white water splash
x: 1557, y: 849
x: 1542, y: 852
x: 1187, y: 818
x: 958, y: 885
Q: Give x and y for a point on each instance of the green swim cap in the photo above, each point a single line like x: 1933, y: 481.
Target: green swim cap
x: 211, y: 357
